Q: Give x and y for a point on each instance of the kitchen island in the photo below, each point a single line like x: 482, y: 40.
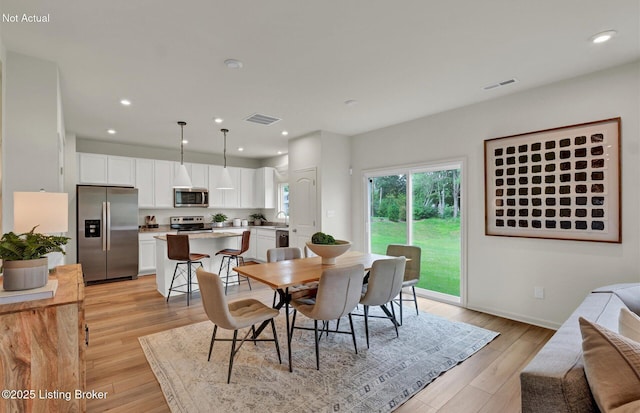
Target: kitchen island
x: 202, y: 243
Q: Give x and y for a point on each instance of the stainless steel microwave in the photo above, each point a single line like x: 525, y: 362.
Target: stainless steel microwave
x: 190, y: 197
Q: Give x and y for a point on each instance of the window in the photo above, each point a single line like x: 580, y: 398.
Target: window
x: 283, y: 198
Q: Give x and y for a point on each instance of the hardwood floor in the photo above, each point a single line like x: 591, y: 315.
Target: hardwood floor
x: 120, y: 312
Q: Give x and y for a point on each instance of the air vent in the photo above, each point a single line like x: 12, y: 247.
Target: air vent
x: 499, y: 84
x: 262, y: 119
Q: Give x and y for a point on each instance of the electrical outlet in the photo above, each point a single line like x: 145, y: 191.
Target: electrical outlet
x: 538, y: 292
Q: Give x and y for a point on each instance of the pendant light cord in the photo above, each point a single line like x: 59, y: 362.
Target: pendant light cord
x: 224, y: 151
x: 182, y: 141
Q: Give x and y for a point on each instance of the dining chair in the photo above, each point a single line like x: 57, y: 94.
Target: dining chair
x: 178, y: 250
x: 234, y: 315
x: 385, y: 283
x: 235, y: 254
x: 285, y: 254
x: 338, y: 294
x: 411, y: 270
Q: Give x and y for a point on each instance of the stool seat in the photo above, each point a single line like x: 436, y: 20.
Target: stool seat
x: 196, y: 257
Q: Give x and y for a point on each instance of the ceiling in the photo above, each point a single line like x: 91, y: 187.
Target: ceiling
x: 302, y: 60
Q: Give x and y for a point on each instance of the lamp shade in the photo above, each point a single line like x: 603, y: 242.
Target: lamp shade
x: 225, y: 180
x: 182, y: 180
x: 48, y: 210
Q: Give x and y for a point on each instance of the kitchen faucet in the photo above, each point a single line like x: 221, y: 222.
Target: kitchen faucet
x: 286, y: 217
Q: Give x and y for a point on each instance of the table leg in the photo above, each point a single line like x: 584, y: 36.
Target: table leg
x: 391, y: 316
x: 287, y: 298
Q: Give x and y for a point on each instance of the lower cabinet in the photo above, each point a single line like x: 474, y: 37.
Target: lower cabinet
x: 147, y: 252
x: 265, y: 239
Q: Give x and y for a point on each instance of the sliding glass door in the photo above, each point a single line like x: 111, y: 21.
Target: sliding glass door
x: 421, y: 206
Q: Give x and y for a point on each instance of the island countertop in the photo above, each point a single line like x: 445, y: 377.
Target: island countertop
x: 204, y: 235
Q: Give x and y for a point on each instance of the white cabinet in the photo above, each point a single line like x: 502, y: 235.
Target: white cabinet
x: 252, y: 244
x: 105, y: 169
x: 265, y: 191
x: 247, y: 188
x: 199, y: 174
x: 121, y: 171
x: 265, y: 239
x: 145, y: 183
x: 147, y: 252
x: 163, y: 183
x: 224, y: 198
x: 92, y: 168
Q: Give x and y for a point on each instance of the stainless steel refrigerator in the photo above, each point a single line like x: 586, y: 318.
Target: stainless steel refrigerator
x: 107, y: 232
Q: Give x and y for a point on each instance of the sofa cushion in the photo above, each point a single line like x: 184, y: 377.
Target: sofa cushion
x: 612, y: 366
x: 629, y: 324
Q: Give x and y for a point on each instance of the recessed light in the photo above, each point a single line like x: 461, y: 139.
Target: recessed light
x: 603, y: 36
x: 125, y: 102
x: 350, y: 102
x: 218, y: 120
x: 233, y: 64
x: 111, y: 131
x: 279, y: 152
x: 285, y: 133
x: 240, y: 149
x: 184, y: 141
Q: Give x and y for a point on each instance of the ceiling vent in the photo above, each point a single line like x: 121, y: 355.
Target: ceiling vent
x: 499, y: 84
x: 262, y: 119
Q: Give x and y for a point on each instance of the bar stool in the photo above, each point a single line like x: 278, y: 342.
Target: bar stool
x: 236, y: 255
x: 178, y: 250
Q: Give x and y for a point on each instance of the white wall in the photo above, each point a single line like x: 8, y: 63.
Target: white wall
x: 70, y: 174
x: 503, y: 271
x: 31, y: 127
x: 335, y: 186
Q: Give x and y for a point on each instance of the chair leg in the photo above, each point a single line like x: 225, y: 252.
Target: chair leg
x: 353, y: 334
x: 393, y: 320
x: 400, y: 306
x: 415, y: 300
x: 275, y: 339
x: 233, y: 351
x: 226, y: 283
x: 366, y: 323
x: 172, y: 280
x: 293, y: 323
x: 253, y: 332
x: 213, y: 338
x: 315, y: 327
x: 188, y: 281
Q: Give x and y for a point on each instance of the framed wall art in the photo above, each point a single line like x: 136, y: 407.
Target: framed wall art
x: 561, y: 183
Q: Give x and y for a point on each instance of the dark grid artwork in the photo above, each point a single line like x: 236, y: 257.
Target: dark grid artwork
x: 561, y: 183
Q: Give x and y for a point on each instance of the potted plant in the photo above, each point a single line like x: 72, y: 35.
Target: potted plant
x: 24, y: 263
x: 218, y: 219
x: 257, y: 218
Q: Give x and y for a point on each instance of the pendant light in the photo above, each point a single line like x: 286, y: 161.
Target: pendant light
x: 225, y: 179
x: 182, y: 180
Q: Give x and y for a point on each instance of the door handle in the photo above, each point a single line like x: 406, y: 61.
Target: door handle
x: 104, y: 226
x: 108, y: 231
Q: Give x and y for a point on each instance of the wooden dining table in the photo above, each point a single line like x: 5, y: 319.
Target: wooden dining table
x: 281, y: 275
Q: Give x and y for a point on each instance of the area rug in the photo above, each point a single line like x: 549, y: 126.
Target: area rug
x: 378, y: 379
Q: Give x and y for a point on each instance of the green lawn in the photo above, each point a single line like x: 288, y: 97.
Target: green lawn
x: 440, y: 243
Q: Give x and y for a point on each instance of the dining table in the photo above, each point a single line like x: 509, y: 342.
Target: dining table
x: 281, y: 275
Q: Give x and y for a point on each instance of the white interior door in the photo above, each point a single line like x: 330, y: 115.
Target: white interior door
x: 302, y: 203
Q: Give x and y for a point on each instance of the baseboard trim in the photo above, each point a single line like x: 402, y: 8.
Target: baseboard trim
x: 517, y: 317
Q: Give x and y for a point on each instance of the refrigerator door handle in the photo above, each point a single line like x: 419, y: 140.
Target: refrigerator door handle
x: 104, y: 229
x: 108, y: 231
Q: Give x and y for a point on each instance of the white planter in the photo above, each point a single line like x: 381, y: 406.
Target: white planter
x: 329, y: 252
x: 25, y: 275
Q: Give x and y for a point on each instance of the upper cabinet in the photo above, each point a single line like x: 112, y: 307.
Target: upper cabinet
x: 265, y: 189
x: 224, y: 198
x: 105, y: 169
x: 252, y: 188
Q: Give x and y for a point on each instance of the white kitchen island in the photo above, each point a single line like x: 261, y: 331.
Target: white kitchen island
x: 202, y: 243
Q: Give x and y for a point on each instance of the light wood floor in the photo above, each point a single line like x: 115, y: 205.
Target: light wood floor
x: 120, y: 312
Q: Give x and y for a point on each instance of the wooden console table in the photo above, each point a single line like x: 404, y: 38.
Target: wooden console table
x: 42, y: 348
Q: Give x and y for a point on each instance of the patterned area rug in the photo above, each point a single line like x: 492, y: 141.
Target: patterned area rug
x: 379, y: 379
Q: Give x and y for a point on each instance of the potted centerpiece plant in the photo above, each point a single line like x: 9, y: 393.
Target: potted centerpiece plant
x: 23, y: 257
x: 327, y: 247
x: 257, y: 218
x: 218, y: 219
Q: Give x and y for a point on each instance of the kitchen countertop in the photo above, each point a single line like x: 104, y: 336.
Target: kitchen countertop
x: 204, y: 235
x: 167, y: 228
